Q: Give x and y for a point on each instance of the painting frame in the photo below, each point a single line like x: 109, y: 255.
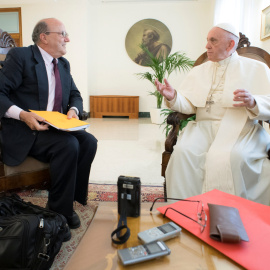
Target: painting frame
x: 144, y: 30
x: 265, y: 23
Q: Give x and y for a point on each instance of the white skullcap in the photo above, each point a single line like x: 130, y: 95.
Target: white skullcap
x: 228, y: 27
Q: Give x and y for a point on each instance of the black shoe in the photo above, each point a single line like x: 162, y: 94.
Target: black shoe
x: 73, y: 221
x: 67, y: 235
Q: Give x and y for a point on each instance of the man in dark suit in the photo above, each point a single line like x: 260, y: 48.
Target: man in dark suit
x: 28, y: 82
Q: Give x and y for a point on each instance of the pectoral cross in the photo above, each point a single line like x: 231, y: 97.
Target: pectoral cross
x: 208, y: 105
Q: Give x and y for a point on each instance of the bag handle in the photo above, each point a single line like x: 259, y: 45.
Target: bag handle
x: 7, y: 209
x: 122, y: 224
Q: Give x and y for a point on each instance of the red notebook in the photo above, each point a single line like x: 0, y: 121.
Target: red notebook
x: 254, y: 254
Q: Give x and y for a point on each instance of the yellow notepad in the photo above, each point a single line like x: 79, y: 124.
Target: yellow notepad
x: 60, y: 121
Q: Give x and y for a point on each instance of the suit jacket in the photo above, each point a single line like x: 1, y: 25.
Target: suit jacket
x: 23, y: 82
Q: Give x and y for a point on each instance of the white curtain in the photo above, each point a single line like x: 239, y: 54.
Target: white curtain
x: 236, y: 12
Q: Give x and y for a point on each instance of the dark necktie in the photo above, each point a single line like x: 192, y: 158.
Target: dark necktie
x: 58, y: 88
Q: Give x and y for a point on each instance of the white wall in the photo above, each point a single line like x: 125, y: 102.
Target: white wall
x: 264, y: 44
x: 99, y: 62
x: 112, y: 71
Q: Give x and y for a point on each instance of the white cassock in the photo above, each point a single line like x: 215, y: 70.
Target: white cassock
x: 225, y: 148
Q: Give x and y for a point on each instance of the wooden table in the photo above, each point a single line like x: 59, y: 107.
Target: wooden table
x: 96, y: 251
x: 114, y: 105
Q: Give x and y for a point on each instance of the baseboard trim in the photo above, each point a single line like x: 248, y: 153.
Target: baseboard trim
x: 141, y: 115
x: 144, y: 114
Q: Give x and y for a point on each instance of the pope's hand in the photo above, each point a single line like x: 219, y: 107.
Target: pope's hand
x: 165, y: 89
x: 244, y: 98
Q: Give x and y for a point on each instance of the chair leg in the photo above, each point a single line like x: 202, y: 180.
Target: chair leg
x: 165, y: 190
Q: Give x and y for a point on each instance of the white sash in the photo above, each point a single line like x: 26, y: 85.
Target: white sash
x: 218, y: 173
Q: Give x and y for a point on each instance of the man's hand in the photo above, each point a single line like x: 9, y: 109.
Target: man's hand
x: 34, y: 121
x: 165, y: 89
x: 72, y: 114
x: 245, y: 98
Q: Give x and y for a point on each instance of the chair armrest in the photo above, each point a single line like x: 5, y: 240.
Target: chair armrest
x: 174, y: 120
x: 84, y: 115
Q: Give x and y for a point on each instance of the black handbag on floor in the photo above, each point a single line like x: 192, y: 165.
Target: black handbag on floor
x: 30, y: 236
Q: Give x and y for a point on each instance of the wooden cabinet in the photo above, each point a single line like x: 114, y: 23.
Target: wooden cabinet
x: 114, y: 105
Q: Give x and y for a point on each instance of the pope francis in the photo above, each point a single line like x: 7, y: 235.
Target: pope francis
x: 225, y: 148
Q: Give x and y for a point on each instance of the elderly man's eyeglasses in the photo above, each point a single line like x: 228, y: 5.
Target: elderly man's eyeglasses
x: 201, y: 215
x: 63, y: 33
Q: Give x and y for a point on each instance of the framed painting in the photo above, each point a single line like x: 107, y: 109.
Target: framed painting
x: 265, y: 25
x: 11, y: 22
x: 154, y: 35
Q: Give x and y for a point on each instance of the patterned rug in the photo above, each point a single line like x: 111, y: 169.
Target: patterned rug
x: 97, y: 193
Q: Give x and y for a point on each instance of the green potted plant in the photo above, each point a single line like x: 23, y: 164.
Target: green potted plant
x: 160, y: 69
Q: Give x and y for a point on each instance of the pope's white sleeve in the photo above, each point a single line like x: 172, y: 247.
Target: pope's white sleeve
x: 180, y: 104
x: 262, y: 109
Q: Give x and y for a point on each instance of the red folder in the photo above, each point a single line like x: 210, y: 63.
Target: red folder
x: 254, y: 254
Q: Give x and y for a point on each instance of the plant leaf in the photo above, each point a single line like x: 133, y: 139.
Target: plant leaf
x: 162, y: 68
